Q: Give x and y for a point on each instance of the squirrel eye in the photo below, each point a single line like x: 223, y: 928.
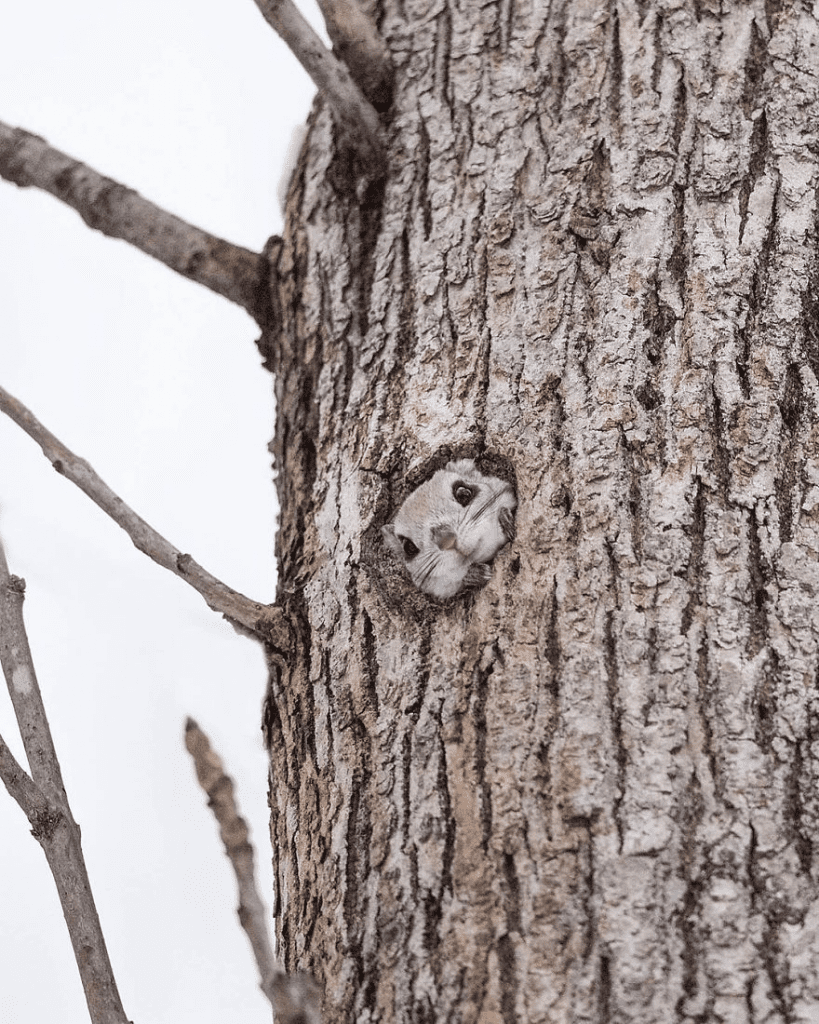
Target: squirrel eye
x: 462, y: 493
x: 410, y: 549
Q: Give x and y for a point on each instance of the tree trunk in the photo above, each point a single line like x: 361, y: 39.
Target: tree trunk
x: 587, y: 792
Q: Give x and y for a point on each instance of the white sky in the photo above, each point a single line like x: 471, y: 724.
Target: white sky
x: 158, y: 384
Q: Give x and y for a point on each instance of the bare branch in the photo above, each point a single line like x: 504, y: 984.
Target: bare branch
x: 52, y: 823
x: 24, y: 690
x: 264, y: 622
x: 20, y: 785
x: 356, y: 118
x: 296, y: 999
x: 234, y: 834
x: 358, y: 43
x: 230, y: 270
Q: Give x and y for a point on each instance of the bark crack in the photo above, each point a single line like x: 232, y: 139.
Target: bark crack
x: 615, y: 73
x: 507, y: 970
x: 679, y: 113
x: 480, y: 689
x: 799, y: 769
x: 679, y: 258
x: 793, y: 410
x: 511, y: 893
x: 756, y: 168
x: 720, y: 453
x: 442, y: 57
x: 760, y: 574
x: 689, y: 915
x: 422, y: 170
x: 357, y: 846
x: 658, y: 53
x: 370, y: 661
x: 635, y: 497
x: 694, y: 568
x: 755, y: 67
x: 616, y: 717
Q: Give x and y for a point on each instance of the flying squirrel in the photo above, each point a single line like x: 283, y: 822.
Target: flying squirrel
x: 450, y: 528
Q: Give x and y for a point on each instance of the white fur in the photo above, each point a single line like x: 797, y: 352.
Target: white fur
x: 291, y: 158
x: 455, y: 543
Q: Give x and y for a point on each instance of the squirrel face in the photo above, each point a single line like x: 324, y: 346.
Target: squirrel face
x: 450, y: 528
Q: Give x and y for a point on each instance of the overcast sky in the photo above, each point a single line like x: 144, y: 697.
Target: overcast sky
x: 158, y: 384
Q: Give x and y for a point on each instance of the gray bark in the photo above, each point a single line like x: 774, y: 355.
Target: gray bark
x: 589, y: 791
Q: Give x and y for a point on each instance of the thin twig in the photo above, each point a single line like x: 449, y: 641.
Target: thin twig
x: 296, y: 998
x: 357, y: 42
x: 234, y: 834
x: 52, y: 823
x: 24, y: 690
x: 230, y: 270
x: 355, y: 116
x: 264, y: 622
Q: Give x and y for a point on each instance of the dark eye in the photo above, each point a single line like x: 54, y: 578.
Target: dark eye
x: 410, y: 549
x: 463, y: 493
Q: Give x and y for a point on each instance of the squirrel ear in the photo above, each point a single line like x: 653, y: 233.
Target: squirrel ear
x: 390, y: 540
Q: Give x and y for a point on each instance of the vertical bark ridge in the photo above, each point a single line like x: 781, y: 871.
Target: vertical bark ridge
x: 586, y: 792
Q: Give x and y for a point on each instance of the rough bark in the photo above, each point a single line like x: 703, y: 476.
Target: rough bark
x: 360, y: 46
x: 589, y: 791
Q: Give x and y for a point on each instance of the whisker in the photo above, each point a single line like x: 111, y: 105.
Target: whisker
x: 476, y: 510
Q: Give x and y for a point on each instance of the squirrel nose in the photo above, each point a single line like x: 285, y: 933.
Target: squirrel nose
x: 444, y: 538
